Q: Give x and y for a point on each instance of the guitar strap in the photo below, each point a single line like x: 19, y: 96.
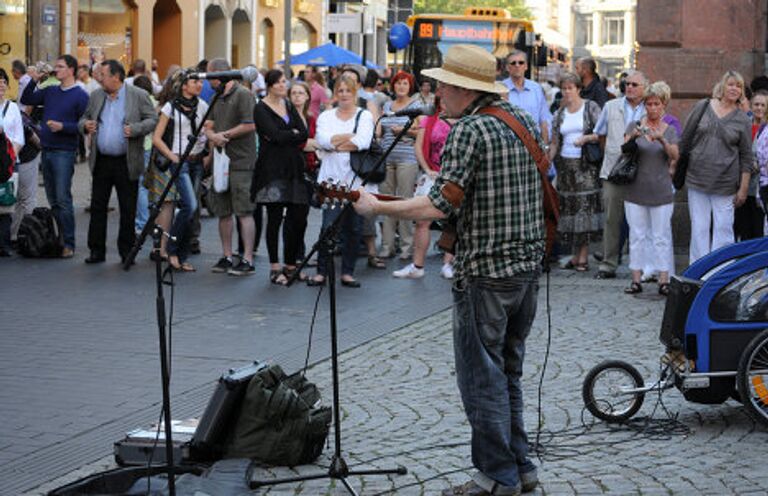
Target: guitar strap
x: 549, y: 195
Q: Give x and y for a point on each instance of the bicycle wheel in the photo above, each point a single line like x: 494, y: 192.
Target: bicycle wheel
x: 604, y: 389
x: 752, y: 378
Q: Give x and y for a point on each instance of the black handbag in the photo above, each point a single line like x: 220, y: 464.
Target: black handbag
x: 364, y: 162
x: 592, y: 152
x: 625, y: 170
x: 681, y: 169
x: 156, y: 158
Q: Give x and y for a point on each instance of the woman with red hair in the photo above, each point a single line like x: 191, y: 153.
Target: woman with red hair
x: 402, y: 166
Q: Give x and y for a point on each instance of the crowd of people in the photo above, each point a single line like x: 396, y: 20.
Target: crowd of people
x: 279, y: 135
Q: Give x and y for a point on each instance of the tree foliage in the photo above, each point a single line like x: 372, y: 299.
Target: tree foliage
x: 516, y: 7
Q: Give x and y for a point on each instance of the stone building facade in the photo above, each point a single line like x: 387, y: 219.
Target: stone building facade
x: 691, y: 43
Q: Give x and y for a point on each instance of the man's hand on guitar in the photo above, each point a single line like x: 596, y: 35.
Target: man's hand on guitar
x: 367, y: 203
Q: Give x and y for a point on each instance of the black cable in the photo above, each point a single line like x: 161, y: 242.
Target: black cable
x: 540, y: 423
x: 311, y: 331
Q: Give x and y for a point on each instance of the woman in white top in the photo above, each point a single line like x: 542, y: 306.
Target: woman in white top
x: 11, y: 124
x: 340, y: 131
x: 184, y: 111
x: 578, y: 183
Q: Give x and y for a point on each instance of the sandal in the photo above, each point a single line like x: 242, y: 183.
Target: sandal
x: 664, y: 289
x: 571, y: 265
x: 581, y: 267
x: 634, y: 288
x: 177, y: 266
x: 289, y: 273
x: 375, y: 262
x: 276, y: 276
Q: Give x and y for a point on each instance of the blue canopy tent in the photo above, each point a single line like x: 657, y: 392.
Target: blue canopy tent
x: 328, y: 55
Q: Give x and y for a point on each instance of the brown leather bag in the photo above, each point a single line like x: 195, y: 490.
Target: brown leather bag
x: 549, y: 195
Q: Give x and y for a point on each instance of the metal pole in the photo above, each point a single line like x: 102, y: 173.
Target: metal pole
x: 362, y: 33
x: 287, y: 34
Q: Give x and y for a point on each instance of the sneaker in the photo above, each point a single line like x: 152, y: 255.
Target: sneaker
x: 447, y: 271
x: 223, y: 265
x: 244, y: 268
x: 409, y: 272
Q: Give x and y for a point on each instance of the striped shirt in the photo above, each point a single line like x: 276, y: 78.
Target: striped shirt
x: 500, y: 221
x: 403, y: 152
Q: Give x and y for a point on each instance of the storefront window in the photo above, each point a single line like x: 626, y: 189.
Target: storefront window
x: 13, y: 44
x: 300, y: 36
x: 105, y: 30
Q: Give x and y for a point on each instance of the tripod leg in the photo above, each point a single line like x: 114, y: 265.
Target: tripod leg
x: 346, y: 484
x: 394, y: 471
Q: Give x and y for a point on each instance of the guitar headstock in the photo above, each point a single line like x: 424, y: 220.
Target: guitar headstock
x: 333, y: 194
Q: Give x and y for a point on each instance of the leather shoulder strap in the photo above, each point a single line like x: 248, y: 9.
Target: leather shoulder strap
x: 542, y: 162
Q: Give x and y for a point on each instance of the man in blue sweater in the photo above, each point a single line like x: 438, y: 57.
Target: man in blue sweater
x: 63, y: 106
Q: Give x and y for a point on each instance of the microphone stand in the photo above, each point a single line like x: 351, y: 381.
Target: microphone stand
x: 157, y: 234
x: 338, y: 469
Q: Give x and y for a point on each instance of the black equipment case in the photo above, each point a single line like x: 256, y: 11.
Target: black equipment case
x: 193, y: 441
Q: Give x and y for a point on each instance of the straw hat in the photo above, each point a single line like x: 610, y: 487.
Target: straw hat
x: 470, y: 67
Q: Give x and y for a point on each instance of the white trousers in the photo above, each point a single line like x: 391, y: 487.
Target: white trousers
x: 709, y: 211
x: 650, y: 238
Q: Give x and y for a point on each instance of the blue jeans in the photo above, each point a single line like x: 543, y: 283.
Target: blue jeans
x: 351, y: 227
x: 491, y: 320
x: 58, y: 167
x: 142, y: 200
x: 182, y: 221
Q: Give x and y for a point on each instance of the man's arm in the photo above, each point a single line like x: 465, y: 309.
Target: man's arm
x: 32, y: 97
x: 417, y: 208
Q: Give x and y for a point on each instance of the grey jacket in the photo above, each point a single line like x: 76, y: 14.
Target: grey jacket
x: 139, y: 114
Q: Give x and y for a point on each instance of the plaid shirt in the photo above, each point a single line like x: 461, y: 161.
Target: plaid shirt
x: 500, y: 221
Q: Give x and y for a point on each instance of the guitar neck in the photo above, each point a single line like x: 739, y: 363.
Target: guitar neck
x: 355, y: 195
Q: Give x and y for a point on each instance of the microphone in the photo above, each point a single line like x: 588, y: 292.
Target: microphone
x: 412, y: 113
x: 247, y: 74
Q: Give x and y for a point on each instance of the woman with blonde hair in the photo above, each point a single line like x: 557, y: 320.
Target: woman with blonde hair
x: 720, y: 165
x: 341, y: 130
x: 649, y: 199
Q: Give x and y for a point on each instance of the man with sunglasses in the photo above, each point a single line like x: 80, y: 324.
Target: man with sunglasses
x: 527, y: 94
x: 613, y: 121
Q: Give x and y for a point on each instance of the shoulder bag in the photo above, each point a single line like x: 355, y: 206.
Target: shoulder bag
x: 625, y: 170
x: 364, y: 162
x: 549, y: 195
x: 681, y: 170
x: 592, y: 151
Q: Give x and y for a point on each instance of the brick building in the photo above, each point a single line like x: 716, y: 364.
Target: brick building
x: 691, y: 43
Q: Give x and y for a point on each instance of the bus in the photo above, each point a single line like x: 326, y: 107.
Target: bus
x: 492, y: 28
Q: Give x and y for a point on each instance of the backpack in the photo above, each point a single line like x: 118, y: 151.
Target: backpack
x: 39, y: 235
x: 280, y: 422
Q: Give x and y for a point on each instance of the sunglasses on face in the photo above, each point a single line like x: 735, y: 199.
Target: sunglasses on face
x: 516, y: 62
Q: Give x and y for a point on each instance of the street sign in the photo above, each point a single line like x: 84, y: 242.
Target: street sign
x: 50, y: 15
x: 344, y: 23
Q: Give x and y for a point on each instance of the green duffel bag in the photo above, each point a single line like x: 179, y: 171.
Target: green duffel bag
x: 280, y: 421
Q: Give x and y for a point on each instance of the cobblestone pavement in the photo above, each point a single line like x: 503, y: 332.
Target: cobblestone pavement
x: 401, y: 407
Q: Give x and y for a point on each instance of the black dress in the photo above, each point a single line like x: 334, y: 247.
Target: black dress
x: 279, y: 173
